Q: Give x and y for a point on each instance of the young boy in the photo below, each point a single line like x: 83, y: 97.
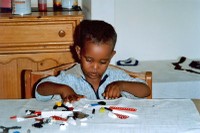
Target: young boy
x: 91, y: 78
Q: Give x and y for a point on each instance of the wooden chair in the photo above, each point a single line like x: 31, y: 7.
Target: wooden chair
x: 31, y: 78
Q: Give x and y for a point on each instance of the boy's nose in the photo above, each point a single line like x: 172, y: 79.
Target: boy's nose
x: 95, y: 66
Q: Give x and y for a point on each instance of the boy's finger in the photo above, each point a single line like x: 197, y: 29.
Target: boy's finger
x: 106, y: 95
x: 65, y: 100
x: 71, y: 98
x: 110, y: 94
x: 116, y: 94
x: 81, y: 96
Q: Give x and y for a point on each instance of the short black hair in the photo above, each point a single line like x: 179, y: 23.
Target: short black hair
x: 96, y: 31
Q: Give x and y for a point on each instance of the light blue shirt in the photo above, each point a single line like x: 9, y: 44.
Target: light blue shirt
x: 75, y: 78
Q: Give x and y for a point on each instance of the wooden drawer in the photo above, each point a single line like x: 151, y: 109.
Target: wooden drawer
x: 35, y: 34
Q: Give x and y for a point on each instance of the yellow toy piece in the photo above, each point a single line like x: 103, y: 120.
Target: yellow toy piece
x: 58, y: 104
x: 102, y: 110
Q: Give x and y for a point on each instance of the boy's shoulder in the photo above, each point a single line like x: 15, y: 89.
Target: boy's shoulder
x: 74, y: 70
x: 112, y: 69
x: 117, y: 73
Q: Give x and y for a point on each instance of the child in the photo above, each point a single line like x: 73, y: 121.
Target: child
x: 91, y: 78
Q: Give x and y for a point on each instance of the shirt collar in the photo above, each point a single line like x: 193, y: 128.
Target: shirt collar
x: 83, y: 76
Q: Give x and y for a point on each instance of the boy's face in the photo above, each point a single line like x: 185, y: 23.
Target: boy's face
x: 94, y: 59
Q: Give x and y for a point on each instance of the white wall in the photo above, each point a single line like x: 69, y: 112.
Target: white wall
x: 106, y: 12
x: 152, y: 29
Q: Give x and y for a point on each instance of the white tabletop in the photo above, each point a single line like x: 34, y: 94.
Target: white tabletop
x: 167, y: 82
x: 151, y: 116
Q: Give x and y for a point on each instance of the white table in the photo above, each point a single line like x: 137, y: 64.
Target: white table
x: 167, y: 82
x: 155, y: 115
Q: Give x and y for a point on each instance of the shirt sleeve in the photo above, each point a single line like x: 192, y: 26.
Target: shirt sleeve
x: 60, y: 79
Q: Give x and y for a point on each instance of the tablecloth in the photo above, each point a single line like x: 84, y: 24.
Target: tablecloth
x: 168, y: 82
x: 151, y: 116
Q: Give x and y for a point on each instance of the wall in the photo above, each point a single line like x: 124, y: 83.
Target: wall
x: 152, y: 29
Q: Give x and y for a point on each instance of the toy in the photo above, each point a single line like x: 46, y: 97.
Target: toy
x: 6, y: 129
x: 60, y: 104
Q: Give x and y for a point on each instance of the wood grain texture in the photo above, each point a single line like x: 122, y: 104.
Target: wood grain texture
x: 37, y: 41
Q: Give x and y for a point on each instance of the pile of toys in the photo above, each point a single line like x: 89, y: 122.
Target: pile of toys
x: 66, y: 114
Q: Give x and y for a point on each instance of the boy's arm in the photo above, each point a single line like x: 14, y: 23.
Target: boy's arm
x: 137, y: 89
x: 66, y: 92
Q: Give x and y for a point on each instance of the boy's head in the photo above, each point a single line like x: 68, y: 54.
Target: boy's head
x: 95, y: 31
x: 94, y: 43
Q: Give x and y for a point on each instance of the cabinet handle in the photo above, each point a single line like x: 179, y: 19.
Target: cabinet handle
x: 61, y: 33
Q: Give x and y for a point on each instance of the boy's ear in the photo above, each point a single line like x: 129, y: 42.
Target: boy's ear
x: 113, y: 53
x: 78, y: 51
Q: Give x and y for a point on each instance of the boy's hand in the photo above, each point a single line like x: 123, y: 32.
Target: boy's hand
x: 113, y: 90
x: 70, y: 96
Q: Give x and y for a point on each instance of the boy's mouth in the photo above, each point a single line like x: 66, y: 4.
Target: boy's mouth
x: 93, y: 75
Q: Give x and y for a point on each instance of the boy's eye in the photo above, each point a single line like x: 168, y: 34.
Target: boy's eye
x: 103, y: 62
x: 88, y: 59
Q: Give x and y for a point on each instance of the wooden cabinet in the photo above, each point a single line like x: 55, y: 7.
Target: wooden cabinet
x: 37, y: 41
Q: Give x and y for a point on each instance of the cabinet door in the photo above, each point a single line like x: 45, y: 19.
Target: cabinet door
x: 9, y: 80
x: 12, y: 67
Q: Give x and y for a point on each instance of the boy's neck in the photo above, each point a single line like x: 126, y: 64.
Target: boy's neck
x: 95, y: 83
